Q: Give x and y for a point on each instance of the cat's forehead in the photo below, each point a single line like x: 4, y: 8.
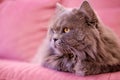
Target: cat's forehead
x: 68, y: 18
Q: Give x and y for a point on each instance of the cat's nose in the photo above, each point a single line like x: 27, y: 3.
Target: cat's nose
x: 55, y: 39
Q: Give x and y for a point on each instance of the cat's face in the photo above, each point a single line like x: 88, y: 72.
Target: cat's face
x: 73, y: 30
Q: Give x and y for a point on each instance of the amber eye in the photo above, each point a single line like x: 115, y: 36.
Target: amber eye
x: 66, y: 30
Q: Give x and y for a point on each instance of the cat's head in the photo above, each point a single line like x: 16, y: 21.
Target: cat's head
x: 74, y: 30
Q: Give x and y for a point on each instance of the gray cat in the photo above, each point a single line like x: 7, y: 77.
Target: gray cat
x: 77, y: 42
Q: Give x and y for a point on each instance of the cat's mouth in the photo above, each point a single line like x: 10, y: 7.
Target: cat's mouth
x: 58, y: 44
x: 62, y: 47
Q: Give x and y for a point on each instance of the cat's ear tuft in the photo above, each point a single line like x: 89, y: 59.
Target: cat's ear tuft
x: 85, y: 4
x: 59, y: 8
x: 88, y: 11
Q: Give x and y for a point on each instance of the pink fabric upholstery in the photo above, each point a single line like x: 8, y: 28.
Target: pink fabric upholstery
x: 23, y: 25
x: 10, y: 70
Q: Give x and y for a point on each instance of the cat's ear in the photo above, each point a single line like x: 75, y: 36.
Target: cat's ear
x: 89, y: 12
x: 59, y: 8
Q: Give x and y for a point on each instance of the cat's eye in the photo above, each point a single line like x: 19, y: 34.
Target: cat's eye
x: 66, y: 30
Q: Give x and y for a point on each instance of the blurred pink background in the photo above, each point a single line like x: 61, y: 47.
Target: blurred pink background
x: 23, y: 23
x: 23, y: 26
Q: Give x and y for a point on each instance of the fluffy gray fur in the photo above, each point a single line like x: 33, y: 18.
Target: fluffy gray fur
x: 88, y: 48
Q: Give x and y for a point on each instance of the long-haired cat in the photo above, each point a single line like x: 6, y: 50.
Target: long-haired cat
x: 79, y: 43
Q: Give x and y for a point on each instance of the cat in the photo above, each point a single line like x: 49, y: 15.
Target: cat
x: 78, y: 42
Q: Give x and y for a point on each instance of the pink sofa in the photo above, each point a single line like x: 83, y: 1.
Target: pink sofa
x: 23, y: 26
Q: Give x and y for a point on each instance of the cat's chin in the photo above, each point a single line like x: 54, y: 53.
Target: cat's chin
x: 54, y: 45
x: 56, y: 50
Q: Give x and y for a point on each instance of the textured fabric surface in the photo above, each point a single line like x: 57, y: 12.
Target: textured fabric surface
x: 23, y: 26
x: 10, y: 70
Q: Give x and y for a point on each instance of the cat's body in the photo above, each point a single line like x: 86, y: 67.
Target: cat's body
x: 79, y: 43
